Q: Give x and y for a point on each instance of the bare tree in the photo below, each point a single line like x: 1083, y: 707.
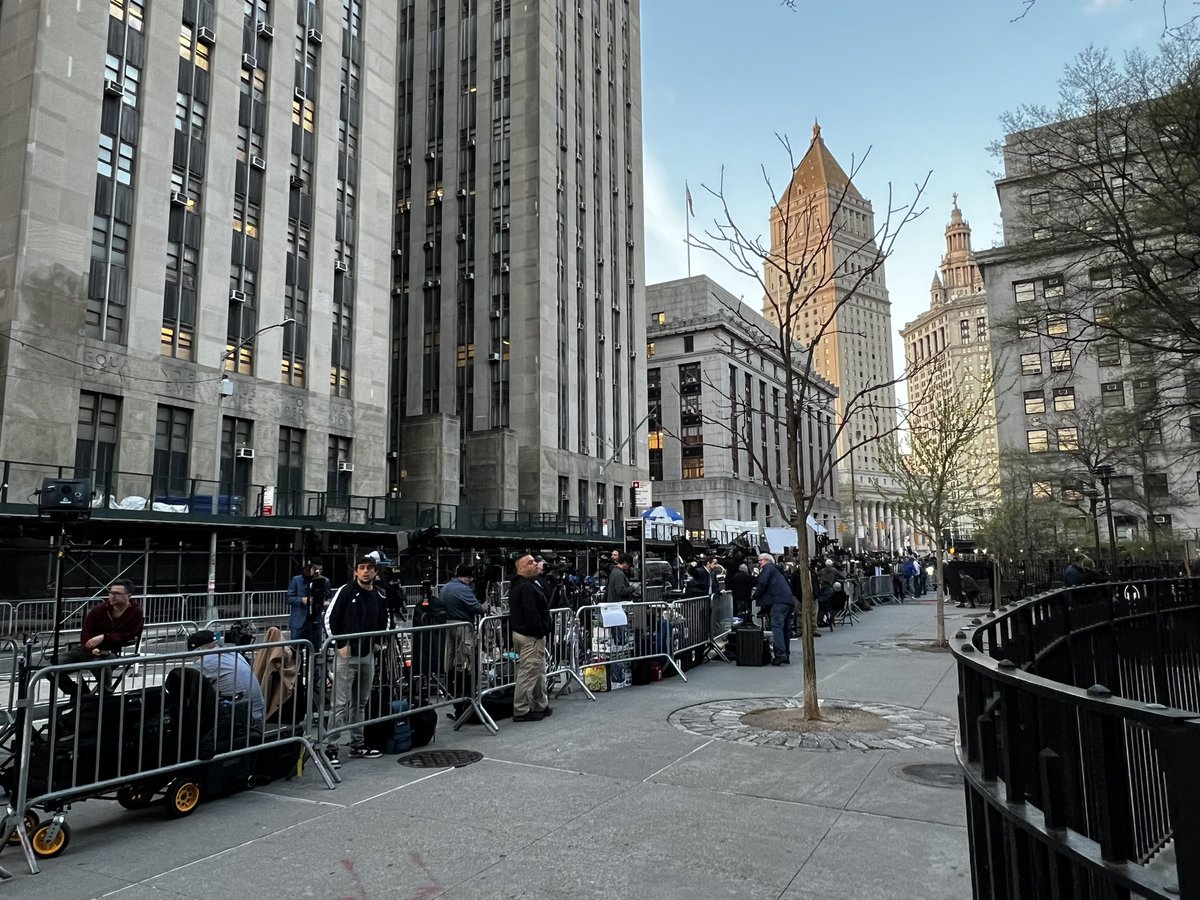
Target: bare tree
x: 803, y: 281
x: 1114, y: 188
x: 943, y: 476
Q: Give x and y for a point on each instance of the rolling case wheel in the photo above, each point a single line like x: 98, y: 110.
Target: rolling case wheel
x: 49, y: 849
x: 135, y: 796
x: 183, y: 796
x: 31, y: 825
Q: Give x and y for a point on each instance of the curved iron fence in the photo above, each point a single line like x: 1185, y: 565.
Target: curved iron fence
x: 1079, y: 736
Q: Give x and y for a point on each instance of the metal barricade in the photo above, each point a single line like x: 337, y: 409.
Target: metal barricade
x: 876, y: 588
x: 168, y: 608
x: 702, y: 622
x: 266, y: 603
x: 378, y: 668
x: 168, y: 735
x: 8, y: 618
x: 496, y: 656
x: 652, y: 630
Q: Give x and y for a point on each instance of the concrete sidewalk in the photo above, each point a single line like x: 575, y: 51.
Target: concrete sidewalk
x: 617, y: 798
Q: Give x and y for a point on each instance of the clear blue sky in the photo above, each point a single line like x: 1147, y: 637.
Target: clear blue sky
x: 919, y: 83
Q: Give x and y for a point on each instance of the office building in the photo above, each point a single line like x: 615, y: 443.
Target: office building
x: 717, y: 389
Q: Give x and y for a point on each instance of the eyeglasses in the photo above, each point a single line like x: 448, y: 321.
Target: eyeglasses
x: 118, y: 592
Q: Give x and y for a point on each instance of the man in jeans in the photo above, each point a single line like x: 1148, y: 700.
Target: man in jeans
x: 355, y: 608
x: 529, y: 619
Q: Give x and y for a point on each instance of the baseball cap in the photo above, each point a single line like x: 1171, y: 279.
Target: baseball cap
x: 367, y: 560
x: 200, y: 638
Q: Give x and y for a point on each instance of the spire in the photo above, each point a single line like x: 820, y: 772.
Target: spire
x: 816, y: 130
x: 818, y: 169
x: 958, y: 269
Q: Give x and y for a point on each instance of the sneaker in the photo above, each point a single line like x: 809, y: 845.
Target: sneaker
x: 548, y: 711
x: 331, y: 757
x: 528, y: 717
x: 361, y: 751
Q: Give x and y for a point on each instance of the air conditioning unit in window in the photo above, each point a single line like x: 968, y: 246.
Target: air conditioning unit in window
x: 431, y: 153
x: 495, y: 314
x: 257, y: 162
x: 179, y: 198
x: 265, y: 30
x: 462, y: 192
x: 249, y: 61
x: 428, y: 284
x: 493, y: 357
x: 340, y: 265
x: 237, y: 296
x: 616, y: 307
x: 504, y: 267
x: 243, y: 453
x: 462, y: 236
x: 601, y: 338
x: 315, y: 36
x: 296, y: 181
x: 630, y: 282
x: 600, y: 261
x: 1160, y: 520
x: 300, y: 95
x: 504, y: 226
x: 617, y: 347
x: 429, y: 245
x: 469, y: 276
x: 114, y: 88
x: 579, y: 285
x: 206, y: 36
x: 345, y: 467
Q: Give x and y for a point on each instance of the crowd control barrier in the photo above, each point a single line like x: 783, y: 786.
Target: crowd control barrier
x: 416, y: 669
x: 496, y: 657
x: 702, y: 622
x: 615, y: 635
x: 175, y: 735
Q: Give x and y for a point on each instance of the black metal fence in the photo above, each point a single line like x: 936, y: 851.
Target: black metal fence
x: 1079, y: 717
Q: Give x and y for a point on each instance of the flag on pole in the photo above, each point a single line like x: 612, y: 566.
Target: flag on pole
x: 688, y: 191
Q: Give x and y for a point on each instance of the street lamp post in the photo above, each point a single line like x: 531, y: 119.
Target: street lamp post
x: 1093, y: 497
x: 225, y: 390
x: 1105, y: 472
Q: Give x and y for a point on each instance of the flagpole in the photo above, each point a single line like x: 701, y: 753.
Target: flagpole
x: 687, y: 219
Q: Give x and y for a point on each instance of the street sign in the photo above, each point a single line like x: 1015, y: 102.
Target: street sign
x: 641, y: 495
x: 268, y: 500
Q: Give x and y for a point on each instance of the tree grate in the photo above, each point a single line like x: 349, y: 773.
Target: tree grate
x: 440, y: 759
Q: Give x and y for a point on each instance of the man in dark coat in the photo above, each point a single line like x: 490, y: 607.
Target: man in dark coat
x: 529, y: 620
x: 774, y: 595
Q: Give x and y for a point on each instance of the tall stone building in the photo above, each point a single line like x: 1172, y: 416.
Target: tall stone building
x: 715, y: 391
x: 954, y: 333
x: 825, y: 229
x: 311, y: 242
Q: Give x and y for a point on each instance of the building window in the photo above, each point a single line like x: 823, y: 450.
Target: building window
x: 1068, y: 439
x: 289, y: 472
x: 1053, y: 287
x: 1194, y: 428
x: 1060, y: 360
x: 1150, y: 433
x: 96, y: 437
x: 1038, y: 440
x: 338, y: 470
x: 172, y: 438
x: 1039, y: 204
x: 649, y: 348
x: 693, y: 515
x: 658, y: 318
x: 1043, y: 490
x: 1031, y: 364
x: 964, y: 331
x: 689, y: 343
x: 1024, y: 291
x: 981, y: 329
x: 1145, y: 391
x: 1108, y: 353
x: 1027, y: 326
x: 1035, y: 402
x: 693, y: 467
x: 1056, y: 324
x: 1155, y: 485
x: 1100, y: 278
x: 1064, y: 399
x: 1112, y: 393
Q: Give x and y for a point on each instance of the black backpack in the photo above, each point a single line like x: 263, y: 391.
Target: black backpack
x: 430, y: 610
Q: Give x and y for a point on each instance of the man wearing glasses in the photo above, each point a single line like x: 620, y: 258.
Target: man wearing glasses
x: 113, y: 624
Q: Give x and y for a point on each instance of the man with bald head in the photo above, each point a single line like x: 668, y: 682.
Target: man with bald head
x: 529, y: 619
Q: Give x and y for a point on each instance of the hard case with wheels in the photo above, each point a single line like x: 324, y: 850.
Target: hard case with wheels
x: 752, y: 646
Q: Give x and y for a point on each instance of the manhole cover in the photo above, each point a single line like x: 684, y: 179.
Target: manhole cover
x: 943, y: 775
x: 440, y: 759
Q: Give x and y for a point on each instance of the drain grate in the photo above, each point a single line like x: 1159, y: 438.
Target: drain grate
x: 440, y: 759
x: 943, y: 775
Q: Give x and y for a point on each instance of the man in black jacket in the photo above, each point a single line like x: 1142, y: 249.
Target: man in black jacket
x: 529, y: 620
x: 356, y: 607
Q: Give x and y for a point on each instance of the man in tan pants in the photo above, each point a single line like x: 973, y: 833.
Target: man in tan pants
x: 529, y: 620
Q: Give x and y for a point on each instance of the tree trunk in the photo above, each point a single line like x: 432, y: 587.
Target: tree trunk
x: 940, y: 601
x: 812, y: 709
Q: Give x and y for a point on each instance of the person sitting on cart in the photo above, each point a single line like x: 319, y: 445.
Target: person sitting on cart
x: 230, y: 671
x: 112, y: 625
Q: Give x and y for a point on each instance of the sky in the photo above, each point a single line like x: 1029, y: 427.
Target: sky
x: 917, y: 86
